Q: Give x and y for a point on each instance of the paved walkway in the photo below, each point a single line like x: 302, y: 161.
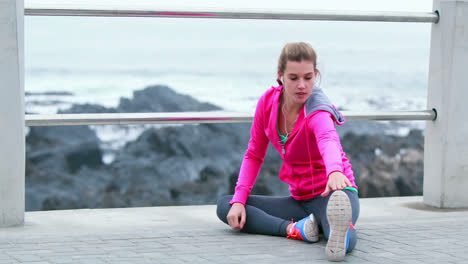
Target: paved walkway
x: 390, y: 230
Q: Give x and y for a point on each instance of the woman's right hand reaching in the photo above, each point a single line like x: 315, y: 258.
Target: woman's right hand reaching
x: 236, y: 217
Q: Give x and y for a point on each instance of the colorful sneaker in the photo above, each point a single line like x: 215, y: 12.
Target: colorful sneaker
x: 306, y: 229
x: 339, y: 215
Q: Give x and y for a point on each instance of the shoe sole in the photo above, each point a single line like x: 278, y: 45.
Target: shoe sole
x: 311, y: 229
x: 339, y: 215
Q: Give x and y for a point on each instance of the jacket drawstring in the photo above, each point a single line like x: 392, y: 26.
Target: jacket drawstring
x: 308, y: 150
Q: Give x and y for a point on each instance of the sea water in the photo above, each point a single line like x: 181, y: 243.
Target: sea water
x: 230, y: 63
x: 226, y: 62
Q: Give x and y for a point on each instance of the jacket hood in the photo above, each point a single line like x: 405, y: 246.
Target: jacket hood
x: 319, y: 101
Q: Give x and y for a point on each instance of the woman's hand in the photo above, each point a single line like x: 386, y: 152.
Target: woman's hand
x: 236, y: 217
x: 336, y: 181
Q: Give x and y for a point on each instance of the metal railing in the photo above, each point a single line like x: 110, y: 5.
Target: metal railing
x: 200, y: 117
x: 42, y: 9
x: 424, y: 17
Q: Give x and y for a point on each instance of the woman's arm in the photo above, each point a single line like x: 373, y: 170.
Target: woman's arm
x: 328, y: 142
x: 253, y: 158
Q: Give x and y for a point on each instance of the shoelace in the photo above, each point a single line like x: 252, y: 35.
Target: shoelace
x: 294, y: 233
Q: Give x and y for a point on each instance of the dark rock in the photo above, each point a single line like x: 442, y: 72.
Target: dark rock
x: 60, y: 203
x: 55, y: 93
x: 409, y: 180
x: 192, y: 164
x: 55, y: 160
x: 63, y: 148
x: 45, y: 137
x: 386, y: 165
x: 363, y: 128
x: 87, y: 154
x: 204, y: 190
x: 152, y: 99
x: 87, y: 108
x: 46, y: 103
x: 160, y: 98
x: 183, y: 164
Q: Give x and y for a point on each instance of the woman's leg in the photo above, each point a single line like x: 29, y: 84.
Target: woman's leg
x: 265, y: 214
x: 318, y: 206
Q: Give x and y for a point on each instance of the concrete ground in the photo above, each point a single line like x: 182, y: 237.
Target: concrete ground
x: 390, y: 230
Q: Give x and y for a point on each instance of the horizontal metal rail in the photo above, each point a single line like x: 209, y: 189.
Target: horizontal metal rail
x: 200, y: 117
x: 302, y: 14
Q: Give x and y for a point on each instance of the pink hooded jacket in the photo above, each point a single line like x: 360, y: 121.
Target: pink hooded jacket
x: 312, y: 151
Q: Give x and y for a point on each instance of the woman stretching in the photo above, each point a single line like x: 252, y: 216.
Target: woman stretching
x: 299, y: 120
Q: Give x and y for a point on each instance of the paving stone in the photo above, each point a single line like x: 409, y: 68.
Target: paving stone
x: 90, y: 260
x: 5, y: 258
x: 26, y: 257
x: 60, y: 259
x: 36, y: 262
x: 423, y: 237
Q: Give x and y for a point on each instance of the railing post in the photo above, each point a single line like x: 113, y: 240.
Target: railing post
x: 12, y: 140
x: 446, y: 139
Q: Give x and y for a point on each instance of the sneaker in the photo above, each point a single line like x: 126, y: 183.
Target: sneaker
x: 306, y: 229
x: 339, y: 215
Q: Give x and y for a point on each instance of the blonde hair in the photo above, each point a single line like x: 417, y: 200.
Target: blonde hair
x: 296, y: 51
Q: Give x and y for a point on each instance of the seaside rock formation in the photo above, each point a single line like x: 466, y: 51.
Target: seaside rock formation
x: 63, y: 148
x: 161, y: 98
x: 386, y: 165
x: 55, y: 158
x: 64, y: 167
x: 152, y: 99
x: 88, y: 108
x: 183, y: 164
x: 192, y: 164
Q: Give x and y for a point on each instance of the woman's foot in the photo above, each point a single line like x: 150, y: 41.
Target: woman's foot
x: 339, y: 215
x: 306, y: 229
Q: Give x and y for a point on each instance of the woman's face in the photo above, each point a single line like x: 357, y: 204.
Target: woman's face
x: 298, y: 81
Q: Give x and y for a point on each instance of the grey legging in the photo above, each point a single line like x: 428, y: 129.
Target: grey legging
x: 271, y: 215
